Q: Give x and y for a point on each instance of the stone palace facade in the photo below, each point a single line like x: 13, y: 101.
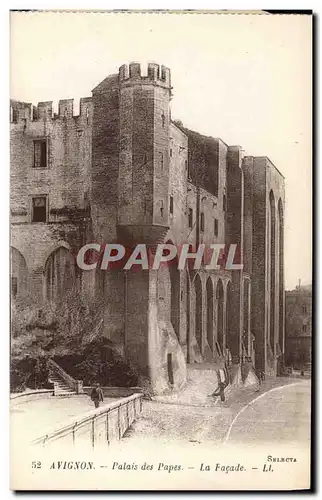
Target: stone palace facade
x: 124, y: 171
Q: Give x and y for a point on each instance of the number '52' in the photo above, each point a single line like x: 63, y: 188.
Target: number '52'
x: 36, y: 465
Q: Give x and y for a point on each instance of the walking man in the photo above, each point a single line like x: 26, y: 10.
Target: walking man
x: 97, y: 395
x: 220, y: 391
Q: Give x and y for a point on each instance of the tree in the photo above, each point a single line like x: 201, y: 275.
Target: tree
x: 71, y: 332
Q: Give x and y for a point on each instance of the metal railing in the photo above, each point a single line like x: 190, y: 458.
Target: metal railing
x: 101, y: 426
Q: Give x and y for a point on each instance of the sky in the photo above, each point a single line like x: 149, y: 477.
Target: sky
x: 244, y: 78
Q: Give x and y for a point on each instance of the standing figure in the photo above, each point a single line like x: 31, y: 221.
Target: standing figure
x: 222, y: 384
x: 97, y: 395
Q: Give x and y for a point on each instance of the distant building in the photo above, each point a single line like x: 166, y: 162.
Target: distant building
x: 298, y: 327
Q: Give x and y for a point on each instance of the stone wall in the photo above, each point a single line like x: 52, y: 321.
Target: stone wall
x: 123, y: 171
x: 105, y: 159
x: 64, y: 180
x: 267, y: 285
x: 178, y: 175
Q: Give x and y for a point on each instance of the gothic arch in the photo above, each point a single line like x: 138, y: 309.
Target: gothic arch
x: 229, y: 313
x: 281, y: 274
x: 220, y: 313
x: 210, y: 313
x: 175, y: 293
x: 188, y: 314
x: 56, y: 246
x: 19, y: 274
x: 246, y: 316
x: 198, y: 311
x: 272, y: 244
x: 59, y: 273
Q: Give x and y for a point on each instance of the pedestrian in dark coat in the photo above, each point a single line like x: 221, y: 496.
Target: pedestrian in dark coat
x: 97, y: 395
x: 222, y: 384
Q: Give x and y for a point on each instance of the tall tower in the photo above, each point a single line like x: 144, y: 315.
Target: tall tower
x: 130, y: 198
x: 143, y: 199
x: 143, y: 180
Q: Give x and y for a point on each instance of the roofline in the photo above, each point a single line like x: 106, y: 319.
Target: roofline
x: 196, y: 132
x: 270, y: 161
x: 178, y: 128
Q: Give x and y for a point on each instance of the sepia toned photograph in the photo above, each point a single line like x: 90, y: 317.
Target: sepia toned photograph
x: 160, y: 250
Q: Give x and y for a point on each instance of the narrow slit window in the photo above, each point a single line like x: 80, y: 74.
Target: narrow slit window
x: 161, y: 162
x: 40, y: 154
x: 13, y: 115
x: 216, y: 227
x: 14, y: 286
x: 171, y: 205
x: 202, y: 222
x: 190, y: 217
x: 161, y: 208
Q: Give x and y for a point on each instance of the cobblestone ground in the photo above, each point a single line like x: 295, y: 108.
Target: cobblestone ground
x: 280, y: 416
x: 161, y: 421
x: 164, y: 422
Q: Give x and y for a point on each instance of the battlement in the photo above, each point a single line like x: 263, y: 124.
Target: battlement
x: 132, y: 74
x: 22, y: 111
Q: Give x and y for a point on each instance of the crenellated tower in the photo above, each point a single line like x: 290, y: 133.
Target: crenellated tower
x: 143, y: 180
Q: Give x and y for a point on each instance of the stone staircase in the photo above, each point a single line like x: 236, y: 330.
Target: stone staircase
x: 64, y: 384
x: 60, y: 386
